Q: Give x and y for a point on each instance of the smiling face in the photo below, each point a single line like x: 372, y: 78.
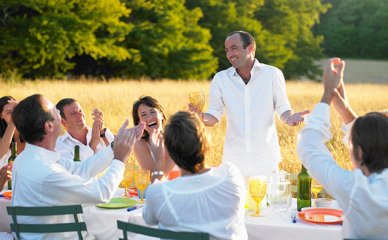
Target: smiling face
x: 237, y: 55
x: 74, y: 116
x: 152, y: 117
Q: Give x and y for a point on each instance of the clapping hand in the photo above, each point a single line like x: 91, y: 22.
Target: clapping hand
x: 125, y: 139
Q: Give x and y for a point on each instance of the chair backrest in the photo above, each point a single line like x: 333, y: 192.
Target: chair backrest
x: 159, y: 233
x: 75, y: 226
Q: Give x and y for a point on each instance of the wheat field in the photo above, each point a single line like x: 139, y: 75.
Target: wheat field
x: 115, y: 99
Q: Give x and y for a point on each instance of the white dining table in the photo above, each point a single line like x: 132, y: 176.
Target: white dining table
x: 272, y: 225
x: 102, y: 223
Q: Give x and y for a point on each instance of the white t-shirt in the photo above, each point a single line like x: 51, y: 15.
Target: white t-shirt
x: 251, y: 140
x: 212, y: 202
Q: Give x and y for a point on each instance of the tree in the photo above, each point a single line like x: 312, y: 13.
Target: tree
x: 168, y: 42
x: 355, y: 28
x: 40, y: 37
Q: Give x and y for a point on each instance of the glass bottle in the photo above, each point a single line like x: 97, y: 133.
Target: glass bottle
x: 11, y: 159
x: 304, y: 189
x: 76, y: 154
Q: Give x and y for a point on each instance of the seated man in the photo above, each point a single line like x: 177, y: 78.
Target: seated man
x: 90, y: 140
x: 361, y: 193
x: 41, y: 177
x: 204, y: 199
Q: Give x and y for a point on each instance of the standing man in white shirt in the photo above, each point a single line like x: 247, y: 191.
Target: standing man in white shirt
x: 250, y: 92
x: 362, y: 193
x: 41, y: 177
x: 90, y: 140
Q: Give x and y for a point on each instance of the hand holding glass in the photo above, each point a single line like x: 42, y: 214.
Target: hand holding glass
x: 197, y: 99
x: 257, y: 190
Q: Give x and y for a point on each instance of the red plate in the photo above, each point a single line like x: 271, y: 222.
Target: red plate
x: 7, y: 194
x: 322, y: 215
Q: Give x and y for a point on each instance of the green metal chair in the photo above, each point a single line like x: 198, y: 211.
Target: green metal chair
x: 75, y: 226
x: 159, y: 233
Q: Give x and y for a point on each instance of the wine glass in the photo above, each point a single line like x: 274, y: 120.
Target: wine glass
x: 142, y: 180
x: 128, y: 179
x: 315, y: 189
x: 197, y: 99
x: 257, y: 190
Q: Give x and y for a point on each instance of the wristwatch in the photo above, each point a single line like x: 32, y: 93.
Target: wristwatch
x: 157, y: 174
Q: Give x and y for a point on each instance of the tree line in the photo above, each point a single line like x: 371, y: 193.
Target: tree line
x: 177, y: 39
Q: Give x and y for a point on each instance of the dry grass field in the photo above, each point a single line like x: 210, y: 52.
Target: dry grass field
x: 115, y: 99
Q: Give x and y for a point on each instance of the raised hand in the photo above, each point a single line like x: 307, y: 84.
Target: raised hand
x: 124, y: 141
x: 297, y: 118
x: 98, y: 125
x: 332, y: 78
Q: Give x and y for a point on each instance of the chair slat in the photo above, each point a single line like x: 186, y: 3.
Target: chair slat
x: 49, y: 228
x: 45, y: 211
x: 160, y: 233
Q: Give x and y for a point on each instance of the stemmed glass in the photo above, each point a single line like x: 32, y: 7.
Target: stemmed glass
x: 128, y: 178
x: 257, y: 190
x: 142, y: 180
x: 197, y: 99
x: 315, y: 189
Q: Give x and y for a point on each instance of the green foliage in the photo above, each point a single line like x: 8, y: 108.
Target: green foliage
x: 356, y: 28
x: 281, y: 28
x: 40, y: 37
x: 168, y: 41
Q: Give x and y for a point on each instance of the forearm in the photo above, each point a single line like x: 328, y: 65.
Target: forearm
x: 209, y: 120
x: 5, y: 141
x: 284, y: 117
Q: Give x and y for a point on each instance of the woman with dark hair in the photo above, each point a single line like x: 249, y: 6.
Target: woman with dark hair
x: 150, y: 151
x: 204, y: 199
x: 8, y: 132
x: 361, y: 193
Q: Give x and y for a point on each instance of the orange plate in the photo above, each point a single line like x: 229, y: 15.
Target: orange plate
x: 322, y: 215
x: 7, y: 194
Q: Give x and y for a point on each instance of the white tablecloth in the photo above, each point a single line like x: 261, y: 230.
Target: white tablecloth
x: 102, y: 223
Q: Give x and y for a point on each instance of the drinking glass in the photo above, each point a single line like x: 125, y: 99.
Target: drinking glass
x: 257, y: 190
x: 279, y: 191
x: 128, y: 178
x: 315, y: 189
x: 197, y: 99
x: 142, y: 180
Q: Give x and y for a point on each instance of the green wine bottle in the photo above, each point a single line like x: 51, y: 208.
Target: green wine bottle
x: 76, y: 154
x: 304, y: 189
x: 11, y: 159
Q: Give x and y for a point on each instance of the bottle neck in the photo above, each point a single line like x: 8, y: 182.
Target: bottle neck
x: 303, y: 169
x: 13, y: 148
x: 76, y: 153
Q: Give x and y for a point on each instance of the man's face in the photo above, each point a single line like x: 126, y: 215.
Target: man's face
x: 74, y: 116
x: 55, y: 114
x: 235, y: 52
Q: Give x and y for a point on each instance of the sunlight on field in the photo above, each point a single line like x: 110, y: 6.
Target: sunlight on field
x: 115, y: 99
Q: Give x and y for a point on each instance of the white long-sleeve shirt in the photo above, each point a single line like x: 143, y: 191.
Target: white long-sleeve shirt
x: 363, y: 199
x: 42, y: 178
x: 211, y: 202
x: 251, y: 140
x: 65, y: 145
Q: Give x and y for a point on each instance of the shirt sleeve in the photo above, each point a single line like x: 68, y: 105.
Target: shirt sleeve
x: 317, y: 158
x: 346, y: 129
x: 216, y: 104
x: 91, y: 166
x: 65, y: 150
x: 73, y: 189
x: 281, y: 101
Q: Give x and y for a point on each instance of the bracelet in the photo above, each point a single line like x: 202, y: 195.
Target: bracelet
x: 157, y: 173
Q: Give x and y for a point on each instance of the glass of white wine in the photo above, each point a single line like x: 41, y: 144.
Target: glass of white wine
x: 142, y: 180
x: 316, y: 188
x: 197, y: 99
x: 257, y: 190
